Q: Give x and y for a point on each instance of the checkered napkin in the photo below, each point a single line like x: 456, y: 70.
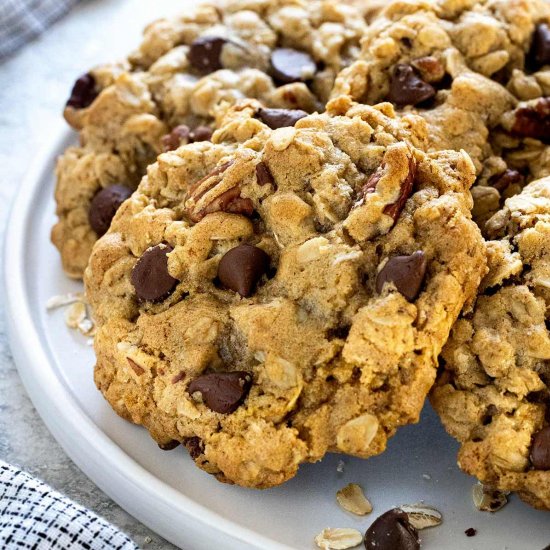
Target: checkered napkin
x: 23, y: 20
x: 33, y: 516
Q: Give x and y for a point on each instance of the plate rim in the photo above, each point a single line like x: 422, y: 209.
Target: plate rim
x: 94, y: 453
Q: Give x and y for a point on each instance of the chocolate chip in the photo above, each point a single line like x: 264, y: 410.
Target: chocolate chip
x: 470, y: 532
x: 242, y: 267
x: 194, y: 446
x: 540, y: 47
x: 201, y: 133
x: 263, y: 175
x: 178, y: 136
x: 288, y: 65
x: 280, y: 118
x: 540, y: 450
x: 104, y: 206
x: 222, y: 392
x: 407, y: 88
x: 405, y: 272
x: 392, y: 531
x: 150, y: 276
x: 534, y: 121
x: 83, y: 93
x: 205, y: 54
x: 509, y: 177
x: 170, y: 445
x: 182, y: 135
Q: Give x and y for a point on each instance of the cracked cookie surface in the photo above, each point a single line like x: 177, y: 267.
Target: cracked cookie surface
x: 493, y: 394
x: 186, y: 71
x: 283, y: 293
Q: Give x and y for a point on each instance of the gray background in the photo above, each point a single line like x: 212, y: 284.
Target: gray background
x: 34, y: 84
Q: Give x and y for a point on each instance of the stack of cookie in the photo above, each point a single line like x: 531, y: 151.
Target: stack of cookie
x: 271, y: 209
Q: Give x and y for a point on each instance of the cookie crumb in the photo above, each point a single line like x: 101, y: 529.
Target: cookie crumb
x: 77, y: 314
x: 470, y: 532
x: 488, y: 499
x: 338, y: 539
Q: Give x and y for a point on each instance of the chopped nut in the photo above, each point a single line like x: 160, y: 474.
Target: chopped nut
x: 487, y: 499
x: 422, y: 516
x: 205, y: 197
x: 338, y: 539
x: 352, y: 499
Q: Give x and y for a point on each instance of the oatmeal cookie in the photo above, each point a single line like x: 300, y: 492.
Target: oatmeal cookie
x: 493, y: 394
x: 187, y: 71
x: 284, y: 291
x: 464, y: 66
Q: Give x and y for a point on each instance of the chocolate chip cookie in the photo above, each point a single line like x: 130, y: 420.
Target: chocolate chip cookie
x: 283, y: 291
x: 493, y: 394
x: 168, y: 92
x: 463, y: 66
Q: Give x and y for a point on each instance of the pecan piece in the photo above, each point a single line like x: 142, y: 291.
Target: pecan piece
x: 430, y: 68
x: 533, y: 121
x: 197, y: 207
x: 395, y: 209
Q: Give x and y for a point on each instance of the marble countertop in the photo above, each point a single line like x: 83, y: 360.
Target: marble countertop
x: 34, y: 85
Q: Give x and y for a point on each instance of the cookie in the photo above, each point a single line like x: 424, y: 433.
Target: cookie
x: 187, y: 71
x: 493, y: 394
x: 522, y: 137
x: 278, y: 294
x: 460, y: 65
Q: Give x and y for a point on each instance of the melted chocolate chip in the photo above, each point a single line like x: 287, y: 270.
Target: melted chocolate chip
x: 150, y: 276
x: 540, y: 450
x: 407, y: 88
x: 194, y: 446
x: 205, y: 54
x: 540, y: 47
x: 405, y: 272
x: 509, y: 177
x: 104, y: 206
x: 470, y: 532
x: 182, y: 135
x: 392, y: 531
x: 242, y: 267
x: 263, y: 175
x: 170, y: 445
x: 533, y: 121
x: 83, y: 93
x: 288, y: 65
x: 222, y: 392
x: 280, y: 118
x: 177, y: 137
x: 201, y: 133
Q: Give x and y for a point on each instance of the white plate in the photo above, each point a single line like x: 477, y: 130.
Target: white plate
x: 165, y: 490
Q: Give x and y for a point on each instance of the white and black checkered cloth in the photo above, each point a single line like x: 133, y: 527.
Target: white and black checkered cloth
x: 23, y: 20
x: 34, y: 516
